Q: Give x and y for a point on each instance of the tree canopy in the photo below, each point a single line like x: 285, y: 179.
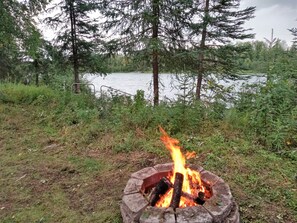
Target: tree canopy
x: 19, y: 36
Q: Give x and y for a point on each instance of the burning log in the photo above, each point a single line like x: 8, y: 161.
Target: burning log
x: 177, y: 190
x: 201, y: 198
x: 162, y: 187
x: 198, y: 200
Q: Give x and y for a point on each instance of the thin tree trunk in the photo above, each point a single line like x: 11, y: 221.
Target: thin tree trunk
x: 36, y: 65
x: 201, y: 53
x: 155, y: 51
x: 74, y: 46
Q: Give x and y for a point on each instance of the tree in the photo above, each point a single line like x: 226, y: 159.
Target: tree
x: 146, y: 29
x: 16, y: 29
x: 78, y: 36
x: 294, y: 41
x: 212, y: 28
x: 272, y: 41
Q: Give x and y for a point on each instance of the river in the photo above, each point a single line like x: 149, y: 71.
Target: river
x: 169, y: 87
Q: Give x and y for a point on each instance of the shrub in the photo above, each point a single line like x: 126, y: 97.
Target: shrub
x: 271, y: 114
x: 10, y: 93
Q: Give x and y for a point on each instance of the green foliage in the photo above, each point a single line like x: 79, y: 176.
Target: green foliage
x: 271, y: 114
x: 79, y: 42
x: 71, y: 108
x: 19, y: 37
x: 175, y: 117
x: 19, y: 94
x: 294, y: 41
x: 259, y: 57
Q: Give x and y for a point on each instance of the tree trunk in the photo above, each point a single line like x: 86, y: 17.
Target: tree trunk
x: 155, y: 55
x: 201, y: 53
x: 36, y: 66
x: 74, y: 46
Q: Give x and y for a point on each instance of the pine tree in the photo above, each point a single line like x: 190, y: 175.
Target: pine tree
x: 148, y: 30
x: 214, y: 24
x: 294, y: 41
x: 78, y: 36
x: 17, y: 28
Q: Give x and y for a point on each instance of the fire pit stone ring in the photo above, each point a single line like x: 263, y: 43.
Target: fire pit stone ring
x: 220, y: 207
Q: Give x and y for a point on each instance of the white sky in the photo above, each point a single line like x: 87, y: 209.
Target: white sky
x: 277, y: 14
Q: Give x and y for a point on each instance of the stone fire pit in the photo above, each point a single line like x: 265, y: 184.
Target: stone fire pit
x: 220, y: 207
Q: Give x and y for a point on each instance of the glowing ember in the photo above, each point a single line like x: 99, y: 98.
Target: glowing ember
x: 192, y: 182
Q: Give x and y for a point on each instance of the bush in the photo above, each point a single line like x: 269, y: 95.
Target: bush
x: 271, y: 114
x: 19, y: 94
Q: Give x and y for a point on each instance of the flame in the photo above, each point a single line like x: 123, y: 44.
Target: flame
x: 190, y: 155
x: 192, y: 181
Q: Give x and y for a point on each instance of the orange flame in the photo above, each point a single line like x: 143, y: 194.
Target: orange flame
x: 192, y: 182
x: 190, y: 155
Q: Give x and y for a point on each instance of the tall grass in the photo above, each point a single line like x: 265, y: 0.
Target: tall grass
x: 268, y: 117
x: 18, y: 94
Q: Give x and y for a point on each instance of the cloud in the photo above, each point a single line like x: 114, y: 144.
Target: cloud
x: 268, y: 3
x: 272, y: 14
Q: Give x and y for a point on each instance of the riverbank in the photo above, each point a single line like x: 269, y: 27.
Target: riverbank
x: 63, y: 158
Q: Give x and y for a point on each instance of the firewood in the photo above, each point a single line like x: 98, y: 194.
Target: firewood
x: 161, y: 188
x: 200, y: 199
x: 177, y: 190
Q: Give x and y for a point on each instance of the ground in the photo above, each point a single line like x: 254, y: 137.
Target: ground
x: 49, y: 174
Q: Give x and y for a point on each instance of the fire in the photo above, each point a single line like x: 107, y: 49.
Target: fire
x: 192, y: 183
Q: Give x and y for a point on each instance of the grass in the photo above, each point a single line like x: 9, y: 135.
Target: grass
x: 63, y: 164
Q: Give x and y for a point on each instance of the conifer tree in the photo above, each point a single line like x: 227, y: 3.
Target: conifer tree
x: 17, y: 28
x: 78, y: 35
x: 294, y: 41
x: 214, y: 24
x: 146, y: 29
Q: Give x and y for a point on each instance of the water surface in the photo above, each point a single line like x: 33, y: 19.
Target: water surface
x: 169, y: 86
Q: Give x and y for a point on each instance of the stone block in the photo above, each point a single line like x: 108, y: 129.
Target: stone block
x: 220, y: 204
x: 134, y: 204
x: 196, y: 214
x: 144, y: 173
x: 195, y: 167
x: 153, y: 180
x: 166, y: 167
x: 126, y: 218
x: 234, y: 215
x: 209, y: 177
x: 133, y: 186
x: 157, y: 215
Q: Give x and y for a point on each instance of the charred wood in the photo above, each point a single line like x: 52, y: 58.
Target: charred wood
x: 198, y: 200
x: 177, y: 190
x: 161, y: 188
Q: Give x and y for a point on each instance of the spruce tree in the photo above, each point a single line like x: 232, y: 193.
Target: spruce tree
x: 17, y: 29
x: 148, y: 30
x: 78, y: 36
x: 212, y: 26
x: 294, y: 41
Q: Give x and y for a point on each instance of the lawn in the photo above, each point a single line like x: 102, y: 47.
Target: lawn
x: 77, y: 172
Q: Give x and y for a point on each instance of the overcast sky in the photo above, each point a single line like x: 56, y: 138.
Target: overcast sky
x: 277, y: 14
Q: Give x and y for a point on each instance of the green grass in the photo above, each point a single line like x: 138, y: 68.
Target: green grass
x: 58, y: 165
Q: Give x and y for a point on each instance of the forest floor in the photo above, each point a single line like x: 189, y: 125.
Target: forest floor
x: 48, y: 174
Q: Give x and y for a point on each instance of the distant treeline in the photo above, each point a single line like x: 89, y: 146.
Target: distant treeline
x: 257, y: 57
